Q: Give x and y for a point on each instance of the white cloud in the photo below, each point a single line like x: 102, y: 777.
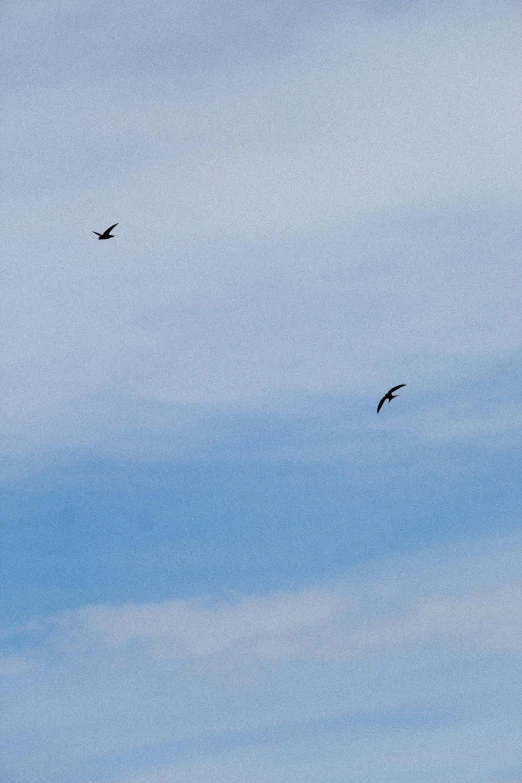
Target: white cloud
x: 415, y: 652
x: 298, y: 224
x: 14, y: 664
x: 180, y: 629
x: 332, y: 623
x: 417, y: 112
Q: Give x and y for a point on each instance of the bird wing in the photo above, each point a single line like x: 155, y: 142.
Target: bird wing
x: 381, y: 403
x: 97, y: 234
x: 396, y: 387
x: 108, y: 231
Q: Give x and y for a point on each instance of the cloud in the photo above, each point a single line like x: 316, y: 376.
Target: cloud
x: 13, y: 664
x: 296, y: 220
x: 418, y: 649
x: 415, y: 112
x: 183, y: 629
x: 316, y: 624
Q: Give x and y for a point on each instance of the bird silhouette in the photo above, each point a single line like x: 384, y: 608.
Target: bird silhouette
x: 107, y: 233
x: 389, y: 396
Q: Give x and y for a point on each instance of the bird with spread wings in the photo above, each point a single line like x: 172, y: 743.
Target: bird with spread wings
x: 389, y: 396
x: 107, y: 233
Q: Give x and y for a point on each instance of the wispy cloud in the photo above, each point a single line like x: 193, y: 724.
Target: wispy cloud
x: 434, y: 631
x: 299, y: 223
x: 418, y: 111
x: 315, y: 202
x: 316, y: 624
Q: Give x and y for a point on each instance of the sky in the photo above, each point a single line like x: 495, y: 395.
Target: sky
x: 216, y: 561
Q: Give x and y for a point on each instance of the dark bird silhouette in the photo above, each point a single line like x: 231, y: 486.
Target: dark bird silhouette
x: 106, y: 234
x: 389, y: 396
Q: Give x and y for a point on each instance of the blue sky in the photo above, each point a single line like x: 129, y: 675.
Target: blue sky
x: 217, y: 562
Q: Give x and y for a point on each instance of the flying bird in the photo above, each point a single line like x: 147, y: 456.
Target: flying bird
x: 106, y: 234
x: 389, y: 396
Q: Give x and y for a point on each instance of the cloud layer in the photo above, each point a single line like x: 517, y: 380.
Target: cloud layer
x: 315, y: 202
x: 334, y: 213
x: 419, y: 651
